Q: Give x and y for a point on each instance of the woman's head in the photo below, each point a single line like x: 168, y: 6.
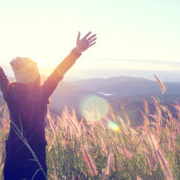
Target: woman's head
x: 25, y: 70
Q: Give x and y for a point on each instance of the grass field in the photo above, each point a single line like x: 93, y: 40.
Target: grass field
x: 110, y: 148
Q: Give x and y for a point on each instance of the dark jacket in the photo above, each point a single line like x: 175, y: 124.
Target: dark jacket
x: 27, y: 104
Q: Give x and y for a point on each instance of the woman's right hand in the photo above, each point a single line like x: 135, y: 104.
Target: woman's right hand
x: 85, y: 42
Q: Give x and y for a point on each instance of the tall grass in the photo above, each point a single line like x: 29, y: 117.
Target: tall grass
x: 78, y: 149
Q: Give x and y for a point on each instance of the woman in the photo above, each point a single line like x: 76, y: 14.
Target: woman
x: 27, y: 102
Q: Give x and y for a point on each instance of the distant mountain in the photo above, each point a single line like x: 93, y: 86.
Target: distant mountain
x: 116, y: 91
x: 126, y: 86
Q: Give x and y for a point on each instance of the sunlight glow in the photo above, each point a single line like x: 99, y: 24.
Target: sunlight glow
x: 93, y: 108
x: 112, y: 125
x: 133, y: 36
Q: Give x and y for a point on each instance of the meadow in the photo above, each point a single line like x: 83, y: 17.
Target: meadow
x: 110, y: 148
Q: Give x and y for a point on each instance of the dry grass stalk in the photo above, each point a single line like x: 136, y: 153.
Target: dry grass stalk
x: 146, y: 106
x: 89, y: 161
x: 165, y: 165
x: 110, y: 164
x: 161, y: 84
x: 162, y: 160
x: 145, y: 119
x: 103, y: 174
x: 158, y: 114
x: 138, y: 178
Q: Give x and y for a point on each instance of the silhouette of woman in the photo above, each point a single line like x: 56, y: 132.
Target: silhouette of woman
x: 27, y: 102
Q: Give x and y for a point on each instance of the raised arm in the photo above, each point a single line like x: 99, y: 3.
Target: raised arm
x: 81, y: 45
x: 3, y: 83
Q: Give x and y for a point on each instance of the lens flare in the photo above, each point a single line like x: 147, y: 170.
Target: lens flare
x: 112, y: 125
x: 93, y: 108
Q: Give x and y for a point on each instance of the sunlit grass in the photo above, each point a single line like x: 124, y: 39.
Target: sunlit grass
x: 109, y: 148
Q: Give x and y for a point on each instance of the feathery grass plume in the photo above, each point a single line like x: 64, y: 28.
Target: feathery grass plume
x: 151, y: 158
x: 171, y: 118
x: 132, y: 134
x: 149, y: 142
x: 103, y: 146
x: 5, y: 120
x: 76, y: 126
x: 158, y: 114
x: 174, y: 136
x: 138, y: 178
x: 124, y: 127
x: 50, y: 141
x: 168, y: 113
x: 73, y: 124
x: 112, y: 113
x: 125, y: 152
x: 161, y: 84
x: 51, y: 123
x: 139, y: 140
x: 162, y: 160
x: 89, y: 161
x: 103, y: 174
x: 110, y: 164
x: 74, y: 116
x: 64, y: 178
x: 54, y: 177
x: 59, y: 122
x: 151, y: 161
x: 177, y: 107
x: 165, y: 165
x: 51, y: 138
x: 146, y: 106
x: 156, y: 102
x: 125, y: 115
x: 145, y: 119
x: 172, y: 140
x: 2, y: 161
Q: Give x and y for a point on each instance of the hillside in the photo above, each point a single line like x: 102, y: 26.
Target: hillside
x: 116, y: 90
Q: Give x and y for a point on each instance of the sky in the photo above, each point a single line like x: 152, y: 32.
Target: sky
x: 133, y: 35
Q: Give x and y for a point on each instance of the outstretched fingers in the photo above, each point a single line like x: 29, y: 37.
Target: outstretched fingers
x: 92, y: 40
x: 78, y: 37
x: 86, y: 35
x: 91, y: 44
x: 89, y: 41
x: 91, y: 37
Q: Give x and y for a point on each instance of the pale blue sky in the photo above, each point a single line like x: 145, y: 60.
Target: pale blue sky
x: 143, y: 30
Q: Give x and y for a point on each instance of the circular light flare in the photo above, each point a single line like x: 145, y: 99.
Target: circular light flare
x: 93, y: 108
x: 112, y: 125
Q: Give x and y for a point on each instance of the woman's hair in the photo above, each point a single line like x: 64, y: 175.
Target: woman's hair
x: 25, y: 70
